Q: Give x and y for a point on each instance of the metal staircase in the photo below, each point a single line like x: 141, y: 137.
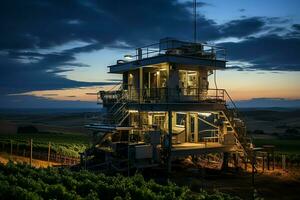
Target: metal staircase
x: 118, y: 112
x: 237, y: 127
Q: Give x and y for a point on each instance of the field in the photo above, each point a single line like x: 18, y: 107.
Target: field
x: 24, y: 182
x: 272, y: 122
x: 68, y: 137
x: 63, y: 130
x: 64, y: 144
x: 282, y: 146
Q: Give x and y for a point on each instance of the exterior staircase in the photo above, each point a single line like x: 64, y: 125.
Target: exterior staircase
x: 118, y: 112
x: 115, y: 114
x: 237, y: 127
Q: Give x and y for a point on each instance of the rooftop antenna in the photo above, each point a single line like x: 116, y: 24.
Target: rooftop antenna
x: 195, y: 21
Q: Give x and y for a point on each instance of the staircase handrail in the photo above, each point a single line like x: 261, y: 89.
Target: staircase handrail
x: 239, y: 115
x: 234, y: 105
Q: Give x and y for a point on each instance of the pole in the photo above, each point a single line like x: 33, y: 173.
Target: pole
x: 253, y: 166
x: 283, y: 162
x: 263, y: 162
x: 11, y: 147
x: 49, y: 151
x: 128, y: 154
x: 30, y: 152
x: 195, y: 21
x: 273, y: 159
x: 268, y: 161
x: 170, y: 141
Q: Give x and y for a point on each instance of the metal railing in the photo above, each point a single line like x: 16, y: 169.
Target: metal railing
x: 164, y: 95
x: 176, y: 47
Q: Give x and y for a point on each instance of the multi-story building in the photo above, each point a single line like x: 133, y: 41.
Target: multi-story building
x: 166, y: 108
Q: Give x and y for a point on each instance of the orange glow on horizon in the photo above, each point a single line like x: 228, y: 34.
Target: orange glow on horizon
x: 86, y: 94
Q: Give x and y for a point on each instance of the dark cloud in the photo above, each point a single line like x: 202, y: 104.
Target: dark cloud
x: 190, y: 4
x: 296, y: 27
x: 242, y: 27
x: 32, y: 24
x: 29, y: 26
x: 269, y: 52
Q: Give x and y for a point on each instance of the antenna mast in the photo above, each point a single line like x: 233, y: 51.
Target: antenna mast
x: 195, y: 21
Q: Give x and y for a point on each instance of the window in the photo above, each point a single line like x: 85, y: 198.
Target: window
x: 188, y: 82
x: 180, y: 119
x: 159, y: 120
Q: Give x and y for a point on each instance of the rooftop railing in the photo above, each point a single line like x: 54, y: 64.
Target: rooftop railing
x: 180, y: 48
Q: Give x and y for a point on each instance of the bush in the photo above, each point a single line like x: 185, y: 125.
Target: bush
x: 23, y: 182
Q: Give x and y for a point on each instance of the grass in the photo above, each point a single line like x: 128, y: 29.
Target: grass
x: 282, y: 146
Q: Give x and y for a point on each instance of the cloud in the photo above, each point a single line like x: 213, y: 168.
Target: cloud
x: 190, y: 4
x: 296, y: 27
x: 28, y: 101
x: 34, y: 32
x: 242, y: 27
x: 269, y: 52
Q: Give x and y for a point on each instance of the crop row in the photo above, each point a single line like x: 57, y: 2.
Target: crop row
x: 20, y: 146
x: 23, y: 182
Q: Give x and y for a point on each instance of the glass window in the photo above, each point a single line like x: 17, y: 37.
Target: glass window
x: 180, y: 119
x: 188, y: 82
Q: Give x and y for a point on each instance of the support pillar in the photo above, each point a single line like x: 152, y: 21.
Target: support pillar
x: 141, y: 84
x: 188, y: 127
x: 169, y: 162
x: 196, y: 128
x: 225, y: 161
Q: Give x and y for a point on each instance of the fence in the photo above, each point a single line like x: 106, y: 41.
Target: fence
x: 26, y: 149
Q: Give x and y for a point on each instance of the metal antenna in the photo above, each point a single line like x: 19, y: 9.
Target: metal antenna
x: 195, y: 21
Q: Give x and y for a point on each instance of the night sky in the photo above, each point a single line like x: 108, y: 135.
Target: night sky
x: 52, y: 52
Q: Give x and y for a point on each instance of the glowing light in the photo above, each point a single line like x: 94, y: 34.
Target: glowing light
x: 205, y: 114
x: 128, y: 57
x: 133, y: 111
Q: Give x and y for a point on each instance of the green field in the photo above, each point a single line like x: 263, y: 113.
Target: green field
x: 24, y: 182
x: 281, y: 145
x: 64, y: 144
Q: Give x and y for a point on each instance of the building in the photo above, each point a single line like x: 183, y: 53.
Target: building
x: 166, y: 108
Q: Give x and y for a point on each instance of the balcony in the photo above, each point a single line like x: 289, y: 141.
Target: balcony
x: 163, y: 95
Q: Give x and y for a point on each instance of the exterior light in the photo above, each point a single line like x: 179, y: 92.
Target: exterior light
x: 133, y: 111
x: 128, y: 57
x: 205, y: 114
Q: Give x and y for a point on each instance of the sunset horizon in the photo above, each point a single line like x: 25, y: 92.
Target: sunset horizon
x: 41, y: 66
